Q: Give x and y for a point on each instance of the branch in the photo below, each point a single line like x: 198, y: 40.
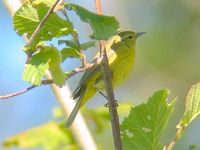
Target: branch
x: 112, y: 105
x: 96, y: 62
x: 40, y: 25
x: 76, y: 39
x: 175, y: 139
x: 50, y: 11
x: 98, y: 7
x: 18, y: 93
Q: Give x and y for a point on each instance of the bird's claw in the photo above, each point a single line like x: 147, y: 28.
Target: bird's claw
x: 116, y: 104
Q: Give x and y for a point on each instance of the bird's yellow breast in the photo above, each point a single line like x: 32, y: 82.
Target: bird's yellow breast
x: 120, y: 64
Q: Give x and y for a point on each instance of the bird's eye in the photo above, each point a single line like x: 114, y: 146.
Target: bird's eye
x: 130, y: 37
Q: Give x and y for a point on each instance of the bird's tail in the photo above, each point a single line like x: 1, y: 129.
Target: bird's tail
x: 73, y: 114
x: 84, y: 95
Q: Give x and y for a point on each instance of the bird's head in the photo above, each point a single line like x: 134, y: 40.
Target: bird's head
x: 129, y: 37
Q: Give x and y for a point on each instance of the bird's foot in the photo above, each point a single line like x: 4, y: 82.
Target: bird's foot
x: 116, y: 104
x: 107, y: 104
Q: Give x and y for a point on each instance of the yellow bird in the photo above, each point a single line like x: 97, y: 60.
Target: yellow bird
x: 121, y: 56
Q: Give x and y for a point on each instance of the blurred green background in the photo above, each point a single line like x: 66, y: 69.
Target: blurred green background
x: 168, y: 56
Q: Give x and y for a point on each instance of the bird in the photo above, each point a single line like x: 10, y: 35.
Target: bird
x: 121, y: 58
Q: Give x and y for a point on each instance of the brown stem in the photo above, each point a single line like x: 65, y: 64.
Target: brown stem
x: 50, y: 11
x: 112, y: 105
x: 18, y: 93
x: 98, y: 6
x: 172, y: 143
x: 179, y: 132
x: 50, y: 81
x: 76, y: 39
x: 30, y: 40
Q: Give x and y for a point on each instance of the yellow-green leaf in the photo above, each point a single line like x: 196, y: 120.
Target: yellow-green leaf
x: 192, y: 107
x: 50, y: 136
x: 69, y: 53
x: 144, y: 126
x: 48, y: 58
x: 30, y: 14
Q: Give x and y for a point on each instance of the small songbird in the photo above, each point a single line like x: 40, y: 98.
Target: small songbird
x: 121, y: 57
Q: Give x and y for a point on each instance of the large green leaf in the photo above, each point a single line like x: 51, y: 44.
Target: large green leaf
x: 143, y: 128
x: 103, y: 26
x: 30, y: 14
x: 192, y: 108
x: 48, y: 58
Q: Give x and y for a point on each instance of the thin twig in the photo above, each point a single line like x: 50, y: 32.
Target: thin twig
x: 179, y: 132
x: 99, y: 12
x: 109, y: 90
x: 96, y: 62
x: 102, y: 94
x: 112, y: 105
x: 37, y: 30
x: 98, y: 7
x: 18, y: 93
x: 76, y: 39
x: 40, y: 25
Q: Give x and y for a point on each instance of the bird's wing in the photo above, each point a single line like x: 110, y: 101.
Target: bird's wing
x: 75, y: 110
x: 114, y: 41
x: 86, y: 76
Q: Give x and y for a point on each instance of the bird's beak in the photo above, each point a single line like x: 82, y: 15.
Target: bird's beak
x: 139, y: 34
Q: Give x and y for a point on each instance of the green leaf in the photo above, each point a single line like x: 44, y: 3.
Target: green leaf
x: 87, y: 45
x: 74, y: 45
x: 35, y: 70
x: 50, y: 136
x: 69, y: 53
x: 60, y: 42
x: 99, y: 118
x: 48, y: 58
x: 54, y: 66
x: 103, y: 26
x: 192, y: 147
x: 144, y: 126
x: 73, y: 50
x: 192, y: 108
x: 48, y: 3
x: 27, y: 18
x: 70, y: 43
